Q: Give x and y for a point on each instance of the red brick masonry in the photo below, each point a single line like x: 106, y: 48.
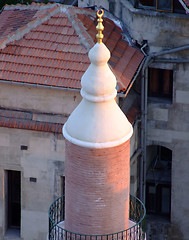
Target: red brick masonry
x: 97, y: 189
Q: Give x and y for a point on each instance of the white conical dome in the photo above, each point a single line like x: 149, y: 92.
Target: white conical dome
x: 98, y: 122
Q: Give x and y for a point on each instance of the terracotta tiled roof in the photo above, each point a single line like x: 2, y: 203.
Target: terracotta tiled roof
x: 28, y: 121
x: 48, y: 45
x: 24, y: 120
x: 133, y: 113
x: 124, y: 59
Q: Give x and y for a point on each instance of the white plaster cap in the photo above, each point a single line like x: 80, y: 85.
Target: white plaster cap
x: 98, y: 80
x: 98, y: 122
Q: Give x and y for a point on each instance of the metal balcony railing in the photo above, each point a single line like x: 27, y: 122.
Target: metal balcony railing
x: 136, y: 216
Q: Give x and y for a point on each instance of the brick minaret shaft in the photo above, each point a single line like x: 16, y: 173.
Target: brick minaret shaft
x: 97, y: 153
x: 97, y: 189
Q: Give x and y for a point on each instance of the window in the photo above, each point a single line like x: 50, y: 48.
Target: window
x: 158, y: 199
x: 164, y: 154
x: 62, y: 193
x: 151, y: 198
x: 164, y: 5
x: 161, y: 5
x: 178, y: 8
x: 62, y: 185
x: 150, y: 3
x: 112, y: 6
x: 160, y: 83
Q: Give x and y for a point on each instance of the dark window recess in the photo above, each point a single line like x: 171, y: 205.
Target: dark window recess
x: 62, y: 193
x: 132, y: 179
x: 32, y: 179
x: 112, y: 7
x: 150, y: 3
x: 164, y: 5
x: 23, y: 147
x: 14, y: 199
x: 165, y: 154
x: 134, y: 3
x: 160, y: 83
x: 158, y: 199
x: 161, y: 5
x: 177, y: 7
x: 62, y: 185
x: 158, y: 185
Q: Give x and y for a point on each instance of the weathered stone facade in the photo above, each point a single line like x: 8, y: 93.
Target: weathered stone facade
x: 166, y: 121
x: 37, y: 155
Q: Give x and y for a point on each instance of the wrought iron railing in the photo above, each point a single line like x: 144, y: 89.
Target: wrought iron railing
x: 136, y: 232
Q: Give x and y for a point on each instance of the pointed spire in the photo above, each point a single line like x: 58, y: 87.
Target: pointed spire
x: 99, y: 27
x: 98, y: 122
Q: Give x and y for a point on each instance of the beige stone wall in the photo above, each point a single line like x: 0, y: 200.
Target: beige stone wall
x: 135, y: 159
x: 98, y: 3
x: 168, y: 126
x: 161, y: 30
x: 167, y: 123
x: 46, y: 100
x: 43, y: 160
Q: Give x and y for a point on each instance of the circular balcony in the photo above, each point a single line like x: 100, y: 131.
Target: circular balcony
x: 136, y: 230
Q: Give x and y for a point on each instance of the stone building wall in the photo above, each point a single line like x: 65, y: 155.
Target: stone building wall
x: 38, y: 99
x: 39, y: 156
x: 43, y: 161
x: 162, y: 30
x: 168, y: 126
x: 167, y: 123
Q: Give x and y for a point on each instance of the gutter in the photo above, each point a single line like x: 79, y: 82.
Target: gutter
x: 38, y: 86
x: 172, y: 60
x: 135, y: 154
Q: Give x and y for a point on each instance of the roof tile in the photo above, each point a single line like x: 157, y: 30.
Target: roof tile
x: 54, y: 51
x: 133, y: 113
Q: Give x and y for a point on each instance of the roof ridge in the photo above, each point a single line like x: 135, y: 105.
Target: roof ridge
x: 19, y: 33
x: 85, y: 38
x: 61, y: 42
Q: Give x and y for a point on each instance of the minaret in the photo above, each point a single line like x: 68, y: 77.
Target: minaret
x: 97, y: 152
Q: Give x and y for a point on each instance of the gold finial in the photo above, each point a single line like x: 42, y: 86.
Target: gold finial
x: 99, y: 26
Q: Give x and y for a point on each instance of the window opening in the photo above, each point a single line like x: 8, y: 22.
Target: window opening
x: 160, y: 83
x: 158, y: 181
x: 158, y: 199
x: 164, y: 5
x: 62, y: 193
x: 62, y: 185
x: 149, y: 3
x: 161, y: 5
x: 178, y: 8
